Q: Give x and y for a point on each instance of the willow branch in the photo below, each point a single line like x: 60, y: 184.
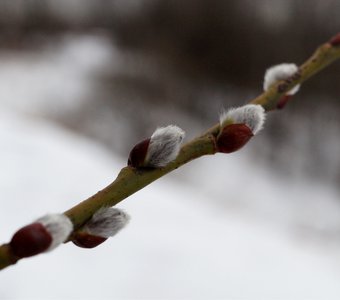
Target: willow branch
x: 130, y: 180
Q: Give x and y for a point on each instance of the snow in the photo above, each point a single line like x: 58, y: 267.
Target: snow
x: 55, y: 79
x: 221, y: 227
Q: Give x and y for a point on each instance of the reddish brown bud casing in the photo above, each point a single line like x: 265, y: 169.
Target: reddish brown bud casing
x: 233, y: 137
x: 335, y: 40
x: 86, y: 240
x: 138, y: 154
x: 30, y: 240
x: 283, y: 101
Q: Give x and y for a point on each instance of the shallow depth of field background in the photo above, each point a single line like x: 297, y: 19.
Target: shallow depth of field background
x: 82, y: 81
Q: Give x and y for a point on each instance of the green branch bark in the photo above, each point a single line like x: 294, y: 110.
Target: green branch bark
x: 130, y: 180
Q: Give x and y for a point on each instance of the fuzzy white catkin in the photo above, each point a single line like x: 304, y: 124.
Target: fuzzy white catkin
x: 280, y: 72
x: 252, y: 115
x: 59, y: 226
x: 106, y: 222
x: 164, y: 146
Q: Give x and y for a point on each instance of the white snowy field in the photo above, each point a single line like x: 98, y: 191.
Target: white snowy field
x: 220, y: 228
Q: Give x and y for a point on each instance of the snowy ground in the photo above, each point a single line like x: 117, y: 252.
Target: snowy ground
x: 221, y: 227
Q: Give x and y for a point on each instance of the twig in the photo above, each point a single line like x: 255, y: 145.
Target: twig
x: 130, y: 180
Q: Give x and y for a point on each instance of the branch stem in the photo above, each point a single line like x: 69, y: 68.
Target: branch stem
x: 130, y: 180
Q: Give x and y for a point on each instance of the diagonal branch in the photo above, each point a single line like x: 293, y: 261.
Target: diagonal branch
x: 130, y: 180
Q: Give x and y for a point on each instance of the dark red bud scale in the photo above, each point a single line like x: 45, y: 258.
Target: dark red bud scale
x: 283, y: 101
x: 233, y: 137
x: 138, y: 154
x: 86, y: 240
x: 30, y: 240
x: 335, y: 40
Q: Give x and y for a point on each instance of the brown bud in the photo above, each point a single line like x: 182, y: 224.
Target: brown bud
x: 85, y: 240
x: 30, y: 240
x: 335, y: 40
x: 138, y: 154
x: 283, y: 101
x: 233, y: 137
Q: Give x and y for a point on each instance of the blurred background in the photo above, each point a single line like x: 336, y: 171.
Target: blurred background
x: 82, y: 81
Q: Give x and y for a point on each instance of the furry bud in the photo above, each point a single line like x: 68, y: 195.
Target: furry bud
x: 43, y: 235
x: 238, y: 125
x: 105, y: 223
x: 252, y: 115
x: 159, y: 150
x: 280, y: 72
x: 59, y: 226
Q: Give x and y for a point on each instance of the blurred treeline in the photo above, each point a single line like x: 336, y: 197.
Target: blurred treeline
x: 187, y: 59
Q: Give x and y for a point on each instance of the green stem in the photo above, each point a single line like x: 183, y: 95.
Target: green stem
x: 131, y: 180
x: 6, y: 257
